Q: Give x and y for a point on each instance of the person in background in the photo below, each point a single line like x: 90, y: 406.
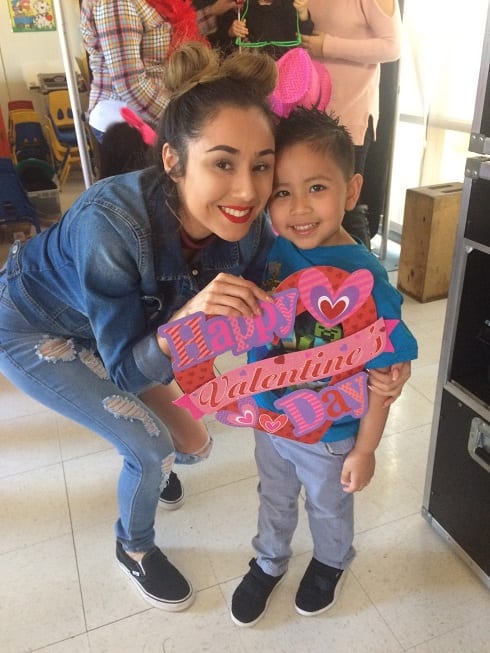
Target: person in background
x: 124, y: 140
x: 122, y: 150
x: 128, y: 42
x: 352, y: 38
x: 270, y: 22
x: 314, y: 184
x: 103, y: 115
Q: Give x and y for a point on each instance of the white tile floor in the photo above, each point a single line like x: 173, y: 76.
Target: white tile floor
x: 62, y: 592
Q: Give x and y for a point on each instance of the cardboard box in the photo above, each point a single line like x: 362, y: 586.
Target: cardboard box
x: 428, y: 238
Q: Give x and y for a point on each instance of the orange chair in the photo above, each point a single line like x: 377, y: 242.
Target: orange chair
x: 15, y: 105
x: 26, y: 136
x: 4, y: 140
x: 17, y: 116
x: 20, y: 107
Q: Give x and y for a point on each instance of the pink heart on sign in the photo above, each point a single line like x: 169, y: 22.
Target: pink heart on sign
x: 271, y: 425
x: 328, y: 306
x: 247, y: 415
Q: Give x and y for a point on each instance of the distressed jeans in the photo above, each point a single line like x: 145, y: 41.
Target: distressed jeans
x: 68, y: 377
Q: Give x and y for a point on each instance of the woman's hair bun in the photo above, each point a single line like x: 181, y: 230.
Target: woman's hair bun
x: 188, y: 65
x: 195, y: 63
x: 254, y: 68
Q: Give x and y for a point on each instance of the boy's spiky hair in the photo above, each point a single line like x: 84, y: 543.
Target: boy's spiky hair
x: 320, y: 131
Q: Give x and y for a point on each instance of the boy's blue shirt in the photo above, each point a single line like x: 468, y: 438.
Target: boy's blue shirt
x: 285, y: 259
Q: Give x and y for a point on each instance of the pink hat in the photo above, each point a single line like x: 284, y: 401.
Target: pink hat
x: 301, y: 82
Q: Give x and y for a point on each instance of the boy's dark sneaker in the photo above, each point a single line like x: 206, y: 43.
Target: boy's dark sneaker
x: 251, y: 597
x: 319, y: 588
x: 172, y: 495
x: 157, y: 579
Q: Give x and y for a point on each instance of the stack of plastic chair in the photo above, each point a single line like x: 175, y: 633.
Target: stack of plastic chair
x: 61, y: 131
x: 4, y: 140
x: 19, y: 105
x: 26, y: 134
x: 15, y: 105
x: 14, y: 203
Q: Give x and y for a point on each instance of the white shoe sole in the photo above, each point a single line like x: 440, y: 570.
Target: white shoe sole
x: 168, y: 606
x: 171, y: 505
x: 252, y: 623
x: 336, y: 594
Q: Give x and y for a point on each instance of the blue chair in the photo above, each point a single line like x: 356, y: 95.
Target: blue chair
x: 30, y: 142
x: 14, y: 202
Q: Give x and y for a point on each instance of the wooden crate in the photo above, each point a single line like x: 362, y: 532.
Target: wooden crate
x: 428, y: 239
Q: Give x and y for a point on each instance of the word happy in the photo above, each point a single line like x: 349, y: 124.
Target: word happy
x: 195, y: 339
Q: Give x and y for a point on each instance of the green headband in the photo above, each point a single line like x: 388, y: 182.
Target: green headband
x: 261, y: 44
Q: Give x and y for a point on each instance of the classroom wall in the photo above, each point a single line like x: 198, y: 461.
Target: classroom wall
x: 23, y: 55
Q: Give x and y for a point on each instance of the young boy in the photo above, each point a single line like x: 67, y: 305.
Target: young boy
x: 273, y: 25
x: 314, y: 185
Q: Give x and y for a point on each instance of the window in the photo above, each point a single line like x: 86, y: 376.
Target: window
x: 439, y: 70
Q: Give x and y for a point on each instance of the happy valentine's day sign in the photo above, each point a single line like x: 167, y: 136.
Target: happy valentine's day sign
x: 330, y: 297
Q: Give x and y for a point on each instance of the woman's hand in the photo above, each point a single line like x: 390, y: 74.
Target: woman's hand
x: 226, y: 295
x: 389, y: 383
x: 313, y: 44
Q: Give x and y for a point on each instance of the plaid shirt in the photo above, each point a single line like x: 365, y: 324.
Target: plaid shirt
x: 127, y: 42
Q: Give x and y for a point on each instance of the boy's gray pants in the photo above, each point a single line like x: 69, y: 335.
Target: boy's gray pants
x: 285, y: 465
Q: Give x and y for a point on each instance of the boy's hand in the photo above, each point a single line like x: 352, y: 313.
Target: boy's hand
x: 239, y: 29
x: 357, y: 471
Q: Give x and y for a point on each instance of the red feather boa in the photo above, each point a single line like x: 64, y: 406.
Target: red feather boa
x: 182, y: 17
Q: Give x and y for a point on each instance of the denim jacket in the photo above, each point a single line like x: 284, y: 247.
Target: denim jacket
x: 112, y: 270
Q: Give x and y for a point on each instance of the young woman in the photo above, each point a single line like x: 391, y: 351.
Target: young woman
x: 80, y: 303
x: 128, y: 42
x: 352, y: 38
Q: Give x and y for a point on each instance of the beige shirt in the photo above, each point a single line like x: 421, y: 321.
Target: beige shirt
x: 358, y: 37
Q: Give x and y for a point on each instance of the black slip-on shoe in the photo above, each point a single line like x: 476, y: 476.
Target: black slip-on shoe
x: 160, y: 583
x: 172, y: 495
